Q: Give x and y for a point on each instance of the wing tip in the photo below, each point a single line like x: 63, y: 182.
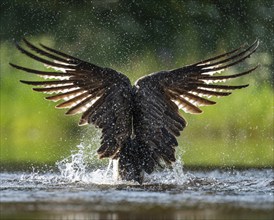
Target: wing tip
x: 25, y: 40
x: 197, y: 111
x: 14, y: 66
x: 83, y: 122
x: 11, y: 64
x: 61, y: 105
x: 71, y: 111
x: 257, y: 42
x: 25, y: 82
x: 37, y: 90
x: 51, y: 98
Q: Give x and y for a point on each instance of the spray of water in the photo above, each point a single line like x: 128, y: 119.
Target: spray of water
x: 79, y: 168
x: 83, y: 165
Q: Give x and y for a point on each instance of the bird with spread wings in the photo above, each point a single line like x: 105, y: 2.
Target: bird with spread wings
x: 139, y: 123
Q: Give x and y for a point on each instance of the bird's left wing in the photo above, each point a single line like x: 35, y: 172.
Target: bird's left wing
x: 101, y: 95
x: 160, y: 95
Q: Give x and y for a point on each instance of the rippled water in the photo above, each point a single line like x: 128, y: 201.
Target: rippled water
x: 78, y: 192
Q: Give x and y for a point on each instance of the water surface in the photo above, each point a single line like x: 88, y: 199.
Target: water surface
x: 77, y: 190
x: 215, y: 194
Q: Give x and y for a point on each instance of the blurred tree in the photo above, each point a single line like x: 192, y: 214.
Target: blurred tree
x: 111, y: 32
x: 137, y: 38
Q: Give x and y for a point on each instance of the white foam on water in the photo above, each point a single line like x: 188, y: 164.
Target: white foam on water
x: 76, y: 168
x: 84, y: 166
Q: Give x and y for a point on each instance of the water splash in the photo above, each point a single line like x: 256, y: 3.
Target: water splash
x: 74, y: 166
x: 82, y: 166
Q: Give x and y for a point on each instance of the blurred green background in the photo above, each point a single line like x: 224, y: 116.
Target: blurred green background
x: 137, y: 38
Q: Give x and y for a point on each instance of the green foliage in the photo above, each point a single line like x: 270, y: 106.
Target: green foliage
x: 238, y: 131
x: 30, y: 128
x: 137, y: 38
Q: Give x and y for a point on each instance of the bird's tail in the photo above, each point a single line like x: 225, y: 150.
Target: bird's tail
x: 134, y: 160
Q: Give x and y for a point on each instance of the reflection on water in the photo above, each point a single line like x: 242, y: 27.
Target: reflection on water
x: 78, y: 192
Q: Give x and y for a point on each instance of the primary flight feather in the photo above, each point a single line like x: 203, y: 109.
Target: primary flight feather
x: 139, y: 123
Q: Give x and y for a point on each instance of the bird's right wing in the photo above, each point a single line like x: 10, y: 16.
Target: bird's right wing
x: 101, y: 95
x: 159, y: 96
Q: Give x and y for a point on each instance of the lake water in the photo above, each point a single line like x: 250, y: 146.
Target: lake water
x: 74, y: 189
x: 93, y: 194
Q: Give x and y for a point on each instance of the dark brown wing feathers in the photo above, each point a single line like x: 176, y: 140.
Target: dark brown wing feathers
x: 106, y: 99
x: 85, y: 88
x: 159, y: 95
x: 199, y: 79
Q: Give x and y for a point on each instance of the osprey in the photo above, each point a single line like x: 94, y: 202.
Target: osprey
x: 139, y: 123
